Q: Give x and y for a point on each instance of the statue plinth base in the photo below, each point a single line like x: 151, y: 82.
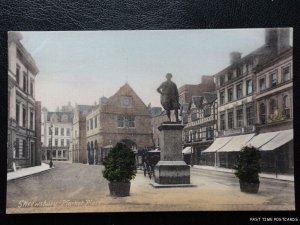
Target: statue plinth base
x: 171, y: 170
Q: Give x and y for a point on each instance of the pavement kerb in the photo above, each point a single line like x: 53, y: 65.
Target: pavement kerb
x: 28, y: 175
x: 261, y: 175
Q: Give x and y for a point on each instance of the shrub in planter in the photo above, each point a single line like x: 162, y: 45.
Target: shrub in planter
x: 120, y: 168
x: 247, y: 169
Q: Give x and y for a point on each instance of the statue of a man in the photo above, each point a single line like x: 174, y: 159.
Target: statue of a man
x: 169, y: 96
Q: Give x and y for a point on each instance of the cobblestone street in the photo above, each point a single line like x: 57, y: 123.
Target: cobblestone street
x: 81, y: 188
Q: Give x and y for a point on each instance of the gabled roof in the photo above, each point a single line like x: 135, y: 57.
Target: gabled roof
x: 114, y: 102
x: 204, y: 98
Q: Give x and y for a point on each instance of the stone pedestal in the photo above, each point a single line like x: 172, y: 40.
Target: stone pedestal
x: 171, y: 170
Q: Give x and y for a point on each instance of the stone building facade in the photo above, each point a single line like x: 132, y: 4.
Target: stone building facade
x: 200, y: 131
x: 79, y: 145
x: 57, y: 135
x: 122, y: 118
x: 22, y: 148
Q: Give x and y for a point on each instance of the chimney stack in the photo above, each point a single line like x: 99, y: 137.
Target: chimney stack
x: 235, y: 57
x: 277, y: 39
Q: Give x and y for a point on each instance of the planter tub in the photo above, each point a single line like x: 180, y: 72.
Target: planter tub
x: 249, y: 187
x: 119, y: 189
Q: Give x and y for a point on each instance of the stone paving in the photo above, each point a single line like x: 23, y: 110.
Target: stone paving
x: 81, y: 188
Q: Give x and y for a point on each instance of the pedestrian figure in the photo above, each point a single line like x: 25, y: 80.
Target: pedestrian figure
x: 145, y: 168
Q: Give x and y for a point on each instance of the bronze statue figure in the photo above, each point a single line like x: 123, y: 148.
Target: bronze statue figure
x: 169, y: 96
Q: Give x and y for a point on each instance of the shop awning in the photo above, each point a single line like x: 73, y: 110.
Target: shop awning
x: 261, y: 139
x: 282, y: 138
x: 236, y: 143
x: 217, y: 144
x: 187, y: 150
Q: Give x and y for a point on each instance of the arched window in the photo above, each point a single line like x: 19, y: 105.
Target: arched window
x: 262, y: 113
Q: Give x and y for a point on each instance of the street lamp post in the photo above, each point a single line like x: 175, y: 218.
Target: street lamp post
x: 51, y: 153
x: 192, y: 150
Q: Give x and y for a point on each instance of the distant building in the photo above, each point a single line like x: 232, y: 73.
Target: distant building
x: 121, y: 118
x: 200, y: 131
x: 187, y: 91
x: 59, y: 141
x: 79, y: 149
x: 23, y: 111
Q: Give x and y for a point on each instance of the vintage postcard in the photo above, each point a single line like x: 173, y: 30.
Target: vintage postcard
x: 157, y: 120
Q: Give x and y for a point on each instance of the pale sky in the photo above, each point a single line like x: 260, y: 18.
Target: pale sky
x: 82, y: 66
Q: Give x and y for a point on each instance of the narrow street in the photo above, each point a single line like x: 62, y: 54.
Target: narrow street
x: 81, y: 188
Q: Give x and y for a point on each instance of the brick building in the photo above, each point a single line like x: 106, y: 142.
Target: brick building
x: 236, y: 88
x: 274, y: 112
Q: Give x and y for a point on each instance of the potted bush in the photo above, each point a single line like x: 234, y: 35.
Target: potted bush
x: 120, y: 168
x: 248, y: 168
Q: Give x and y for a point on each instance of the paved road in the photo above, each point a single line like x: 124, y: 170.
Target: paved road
x: 80, y: 188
